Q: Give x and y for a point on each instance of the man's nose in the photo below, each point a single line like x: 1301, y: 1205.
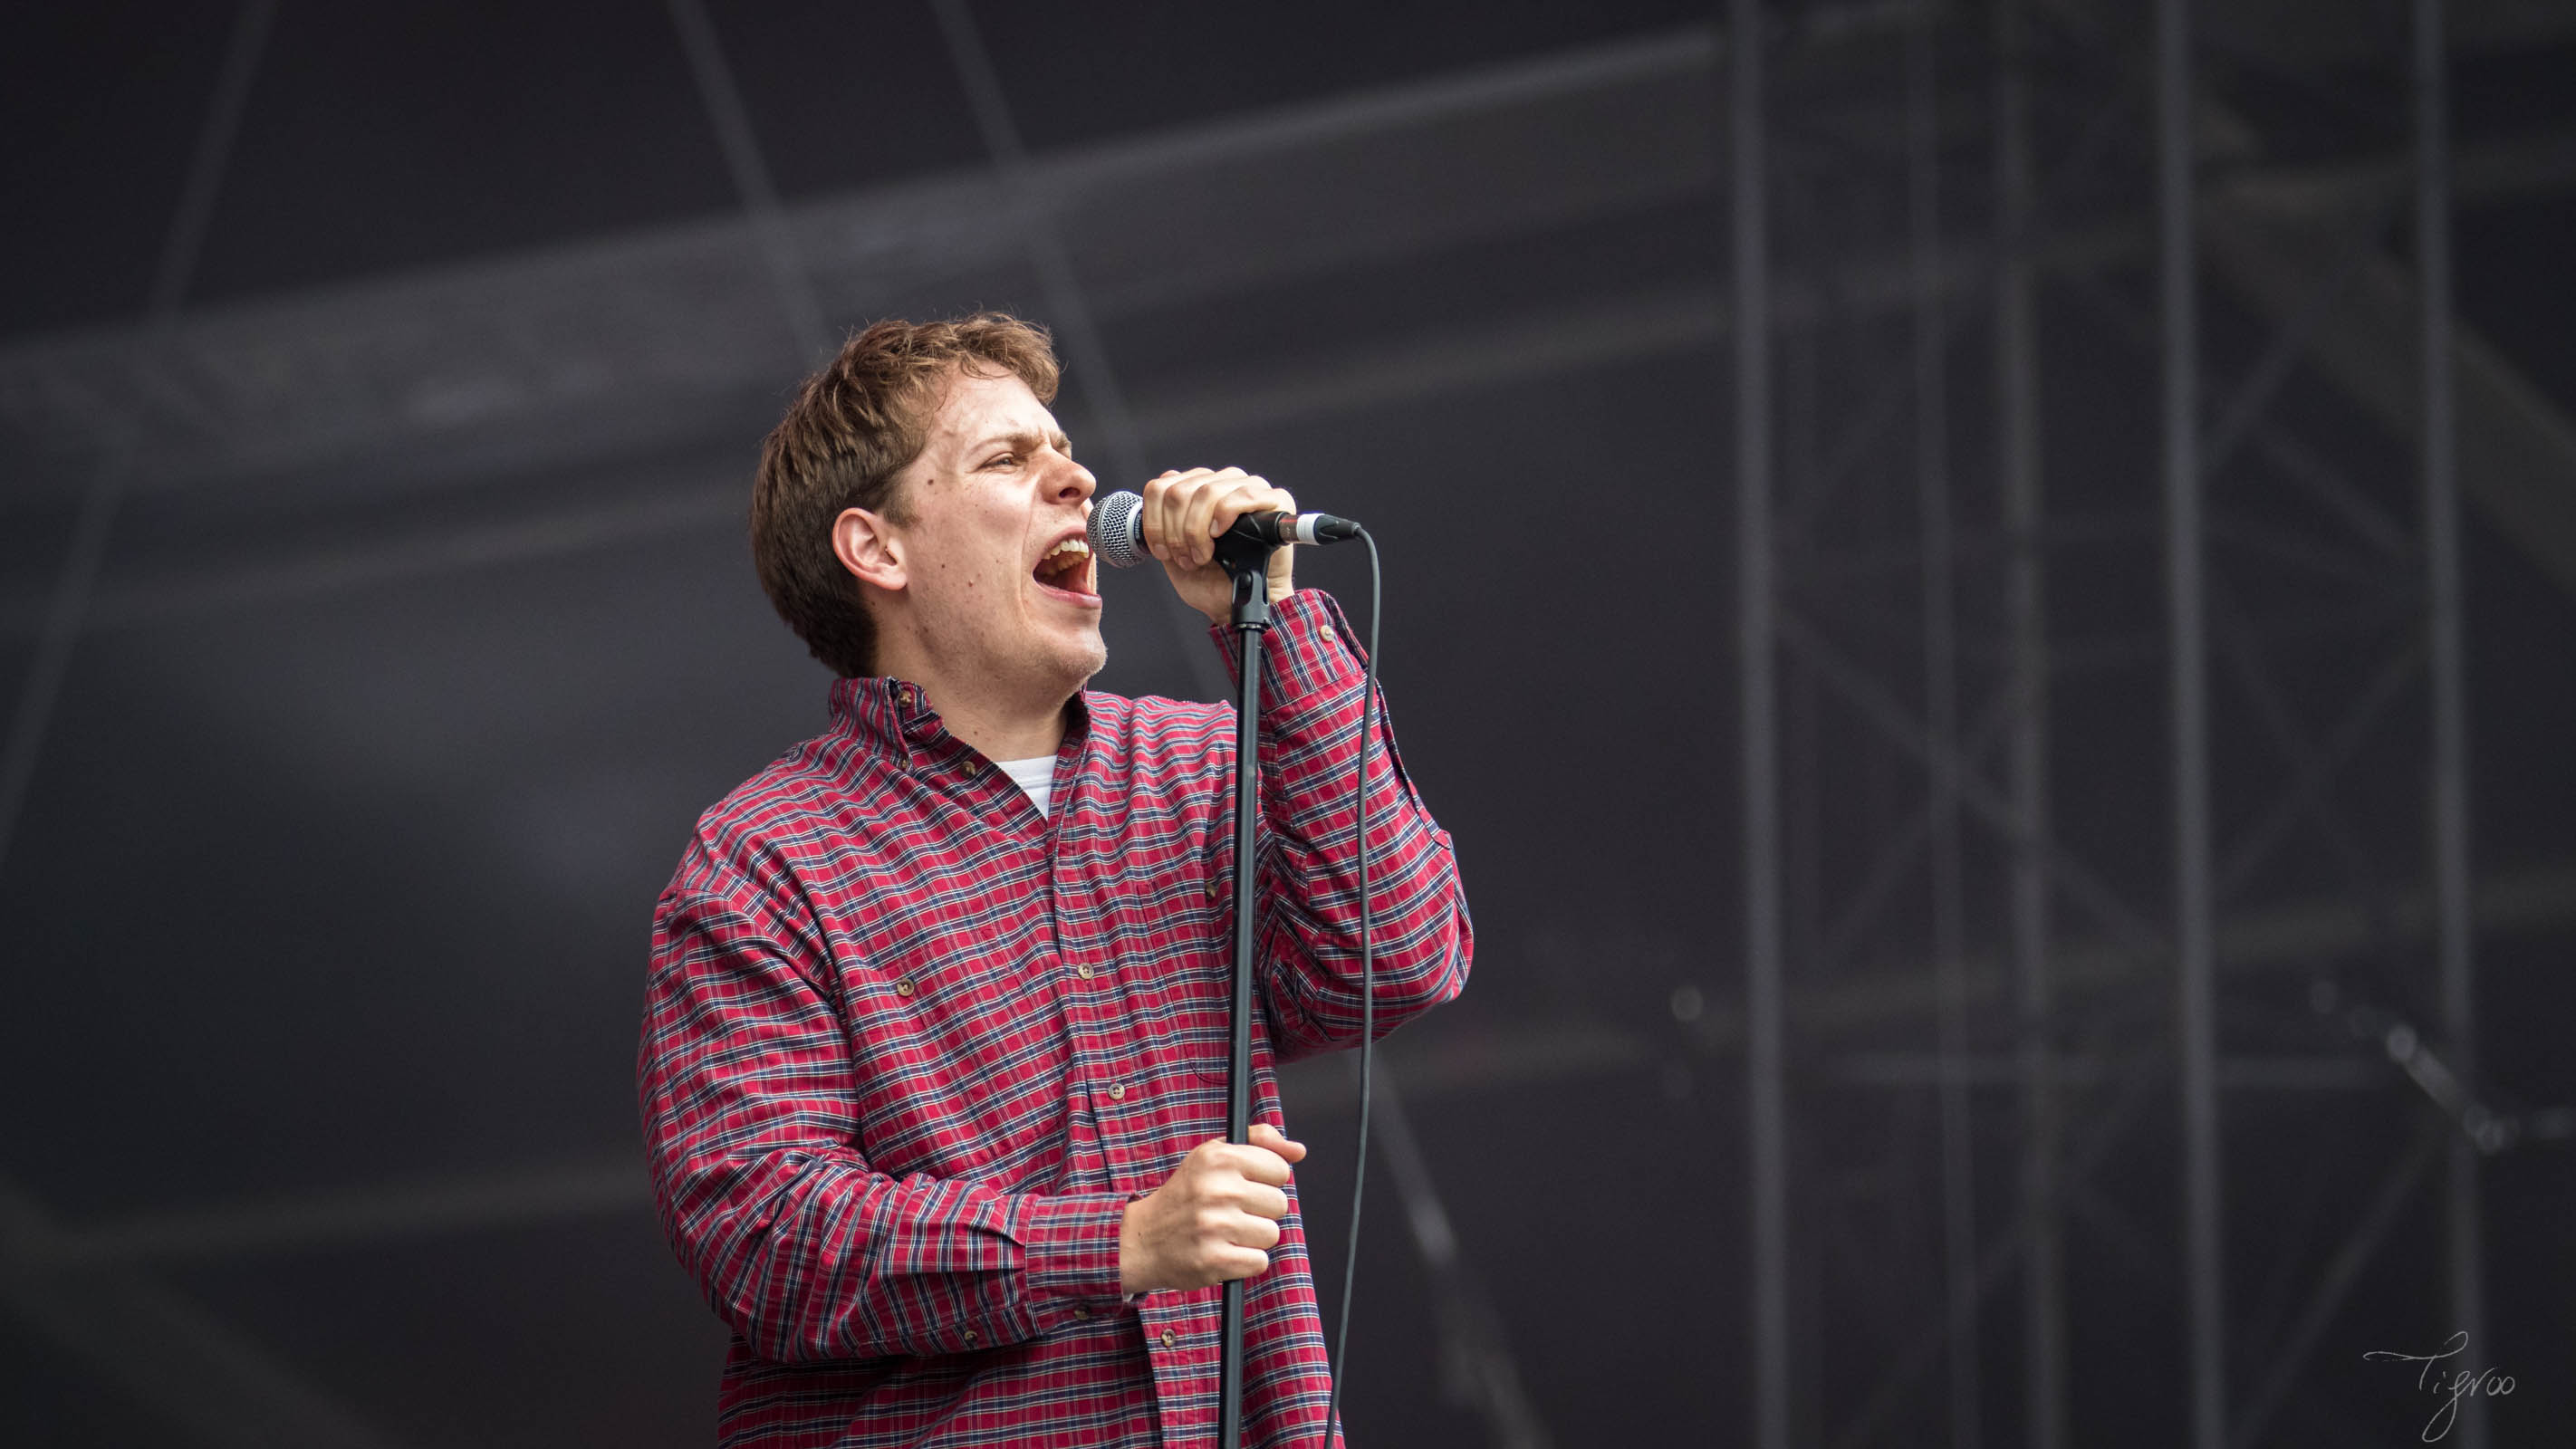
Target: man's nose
x: 1074, y: 483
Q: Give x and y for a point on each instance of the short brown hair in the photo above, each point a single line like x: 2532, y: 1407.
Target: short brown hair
x: 853, y: 427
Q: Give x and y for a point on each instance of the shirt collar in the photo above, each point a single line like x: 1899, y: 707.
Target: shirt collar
x: 890, y: 715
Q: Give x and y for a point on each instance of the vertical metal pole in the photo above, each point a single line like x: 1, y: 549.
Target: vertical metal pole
x: 1941, y: 723
x: 2025, y: 603
x: 1802, y: 830
x: 2193, y: 927
x: 2450, y: 771
x: 1755, y: 650
x: 1251, y: 621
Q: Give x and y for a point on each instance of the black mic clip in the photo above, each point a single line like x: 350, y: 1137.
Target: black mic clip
x: 1244, y: 553
x: 1255, y: 536
x: 1251, y: 587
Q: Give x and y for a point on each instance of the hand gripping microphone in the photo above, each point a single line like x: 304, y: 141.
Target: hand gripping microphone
x: 1118, y: 532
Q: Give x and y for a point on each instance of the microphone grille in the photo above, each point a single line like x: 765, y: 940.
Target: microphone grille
x: 1118, y: 531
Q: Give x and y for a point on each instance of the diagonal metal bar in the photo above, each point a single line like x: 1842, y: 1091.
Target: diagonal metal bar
x: 1476, y: 1357
x: 2080, y: 882
x: 789, y: 276
x: 2131, y: 1248
x: 2268, y: 1313
x: 67, y: 608
x: 2255, y: 678
x: 1995, y: 1263
x: 2317, y: 769
x: 163, y: 1349
x: 1068, y: 306
x: 1887, y: 402
x: 2255, y: 393
x: 377, y: 1213
x: 1898, y: 854
x: 1855, y: 562
x: 2291, y: 547
x: 2335, y: 1285
x: 1887, y: 406
x: 2296, y: 462
x: 2300, y: 464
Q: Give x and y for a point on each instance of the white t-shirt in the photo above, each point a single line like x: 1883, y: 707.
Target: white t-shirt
x: 1036, y: 778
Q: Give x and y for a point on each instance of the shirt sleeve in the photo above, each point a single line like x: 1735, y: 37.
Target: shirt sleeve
x: 749, y: 1102
x: 1312, y: 671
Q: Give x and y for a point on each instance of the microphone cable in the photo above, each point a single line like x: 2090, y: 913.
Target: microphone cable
x: 1339, y: 1364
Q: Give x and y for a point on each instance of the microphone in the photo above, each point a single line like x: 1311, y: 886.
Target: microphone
x: 1117, y: 531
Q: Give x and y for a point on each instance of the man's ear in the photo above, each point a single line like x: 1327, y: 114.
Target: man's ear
x: 867, y: 546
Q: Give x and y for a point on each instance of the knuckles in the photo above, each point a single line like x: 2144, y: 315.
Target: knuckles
x: 1220, y: 1213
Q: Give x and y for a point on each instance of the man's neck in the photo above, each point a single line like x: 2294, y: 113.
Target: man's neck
x: 998, y: 731
x: 1000, y: 722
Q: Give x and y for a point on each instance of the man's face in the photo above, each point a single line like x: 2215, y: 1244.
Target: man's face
x: 998, y: 573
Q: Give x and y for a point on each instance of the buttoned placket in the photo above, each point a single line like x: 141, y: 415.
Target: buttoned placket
x: 1093, y: 1068
x: 1091, y: 1071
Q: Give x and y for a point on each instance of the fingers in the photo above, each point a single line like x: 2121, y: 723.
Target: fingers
x: 1241, y: 1191
x: 1202, y: 506
x: 1265, y: 1135
x: 1239, y: 494
x: 1235, y: 1263
x: 1185, y: 512
x: 1215, y: 1220
x: 1167, y: 502
x: 1264, y: 1201
x: 1162, y: 505
x: 1256, y: 1163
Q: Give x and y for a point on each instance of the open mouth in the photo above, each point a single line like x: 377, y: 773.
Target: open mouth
x: 1067, y: 566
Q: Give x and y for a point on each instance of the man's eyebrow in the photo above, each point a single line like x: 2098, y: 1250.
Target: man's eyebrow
x: 1023, y: 439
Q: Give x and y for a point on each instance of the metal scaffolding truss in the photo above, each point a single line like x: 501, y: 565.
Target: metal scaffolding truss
x: 1908, y: 653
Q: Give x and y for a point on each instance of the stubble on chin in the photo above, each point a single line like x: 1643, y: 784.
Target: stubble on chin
x: 1092, y: 658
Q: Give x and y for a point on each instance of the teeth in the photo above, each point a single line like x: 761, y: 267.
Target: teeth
x: 1072, y: 546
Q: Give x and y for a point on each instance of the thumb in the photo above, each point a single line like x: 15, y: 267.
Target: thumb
x: 1265, y: 1135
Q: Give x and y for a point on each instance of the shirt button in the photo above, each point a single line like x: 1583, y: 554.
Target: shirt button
x: 1211, y: 887
x: 1081, y: 1312
x: 970, y: 1338
x: 1168, y: 1339
x: 1083, y: 970
x: 1329, y: 635
x: 1118, y: 1091
x: 903, y: 987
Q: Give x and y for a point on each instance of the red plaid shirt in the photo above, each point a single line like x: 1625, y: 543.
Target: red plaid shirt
x: 911, y: 1047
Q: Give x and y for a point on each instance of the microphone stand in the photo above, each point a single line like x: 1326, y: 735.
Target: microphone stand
x: 1249, y: 567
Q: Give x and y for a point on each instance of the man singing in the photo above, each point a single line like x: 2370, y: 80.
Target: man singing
x: 934, y: 1056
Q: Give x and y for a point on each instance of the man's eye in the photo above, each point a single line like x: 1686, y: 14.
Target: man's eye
x: 999, y: 460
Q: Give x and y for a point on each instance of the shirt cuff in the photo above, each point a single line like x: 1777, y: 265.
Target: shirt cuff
x: 1069, y: 1248
x: 1309, y: 651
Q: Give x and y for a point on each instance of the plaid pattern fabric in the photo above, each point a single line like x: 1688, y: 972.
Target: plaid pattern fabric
x: 910, y: 1048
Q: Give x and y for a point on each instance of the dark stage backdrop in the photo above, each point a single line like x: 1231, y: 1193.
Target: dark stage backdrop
x: 376, y: 617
